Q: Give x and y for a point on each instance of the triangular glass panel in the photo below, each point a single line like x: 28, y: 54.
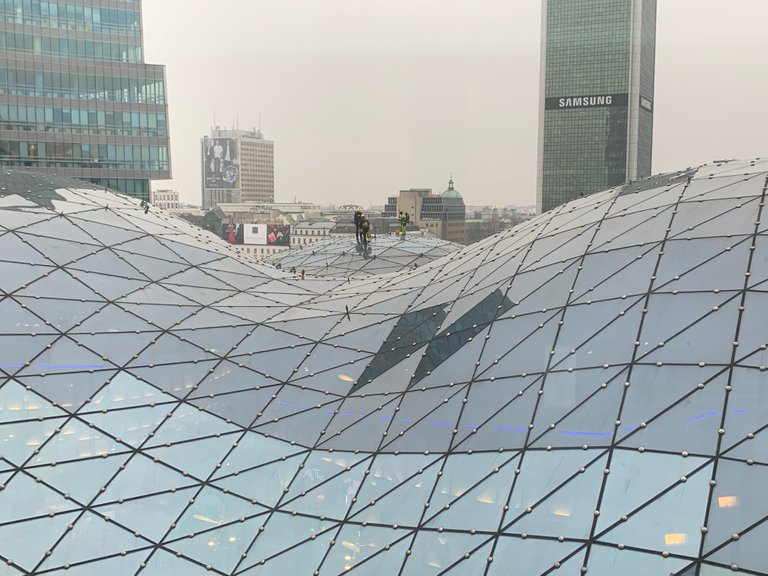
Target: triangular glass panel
x: 755, y: 448
x: 212, y: 508
x: 121, y: 565
x: 691, y: 425
x: 25, y: 543
x: 18, y: 403
x: 583, y: 404
x: 20, y: 440
x: 569, y: 510
x: 150, y: 516
x: 198, y: 458
x: 104, y: 287
x: 14, y: 249
x: 160, y: 315
x: 748, y: 552
x: 284, y: 531
x: 117, y: 348
x: 709, y: 340
x: 176, y: 379
x: 169, y: 348
x: 203, y: 296
x: 92, y: 537
x: 240, y: 407
x: 65, y: 355
x: 131, y: 426
x: 717, y: 262
x: 541, y: 472
x: 163, y: 563
x: 62, y: 285
x: 17, y: 350
x: 608, y: 274
x: 702, y: 328
x: 142, y: 476
x: 327, y: 485
x: 191, y: 254
x: 108, y: 263
x: 125, y: 390
x: 265, y: 484
x: 508, y: 424
x: 747, y: 409
x: 405, y: 504
x: 253, y: 450
x: 738, y: 501
x: 461, y: 472
x: 478, y: 508
x: 530, y: 556
x: 672, y: 522
x: 638, y: 477
x: 367, y: 550
x: 18, y: 320
x: 432, y: 429
x: 82, y: 479
x: 220, y: 548
x: 435, y: 553
x: 24, y: 498
x: 111, y: 319
x: 528, y: 351
x: 187, y: 422
x: 302, y: 559
x: 23, y: 276
x: 75, y: 441
x: 611, y: 560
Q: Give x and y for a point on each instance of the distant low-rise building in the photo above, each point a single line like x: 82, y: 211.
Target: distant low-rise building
x: 165, y: 199
x: 443, y: 215
x: 310, y: 232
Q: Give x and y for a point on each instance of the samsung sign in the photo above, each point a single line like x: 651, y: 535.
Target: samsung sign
x: 597, y: 101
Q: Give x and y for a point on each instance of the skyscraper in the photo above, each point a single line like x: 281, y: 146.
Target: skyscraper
x: 237, y: 166
x: 596, y: 104
x: 76, y: 97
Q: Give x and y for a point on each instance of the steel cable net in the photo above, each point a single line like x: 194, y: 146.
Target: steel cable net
x: 585, y: 393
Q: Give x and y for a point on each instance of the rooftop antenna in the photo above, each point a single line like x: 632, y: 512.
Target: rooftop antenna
x: 214, y: 119
x: 259, y: 121
x: 237, y: 119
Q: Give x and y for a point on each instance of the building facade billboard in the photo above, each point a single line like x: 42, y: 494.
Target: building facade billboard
x: 221, y: 168
x: 257, y: 234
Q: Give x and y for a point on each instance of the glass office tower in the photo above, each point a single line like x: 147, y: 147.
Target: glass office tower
x: 76, y: 97
x: 596, y: 106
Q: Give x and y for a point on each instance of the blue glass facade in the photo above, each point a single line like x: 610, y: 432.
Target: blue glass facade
x: 596, y: 118
x: 76, y: 97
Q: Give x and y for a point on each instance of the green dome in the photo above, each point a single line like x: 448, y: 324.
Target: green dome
x: 451, y: 192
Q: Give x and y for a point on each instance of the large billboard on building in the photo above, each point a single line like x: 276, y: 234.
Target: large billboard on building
x: 221, y: 168
x: 257, y: 234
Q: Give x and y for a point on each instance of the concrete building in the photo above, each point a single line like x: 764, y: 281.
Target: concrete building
x: 165, y: 199
x: 237, y: 166
x: 77, y: 99
x: 596, y: 104
x: 442, y: 215
x: 312, y: 231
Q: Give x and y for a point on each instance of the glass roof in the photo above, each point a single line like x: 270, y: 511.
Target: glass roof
x: 342, y: 257
x: 584, y: 393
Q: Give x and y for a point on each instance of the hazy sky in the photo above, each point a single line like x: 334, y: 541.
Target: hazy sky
x: 365, y: 97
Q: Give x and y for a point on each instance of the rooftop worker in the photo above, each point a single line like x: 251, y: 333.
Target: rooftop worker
x: 358, y: 217
x: 365, y: 230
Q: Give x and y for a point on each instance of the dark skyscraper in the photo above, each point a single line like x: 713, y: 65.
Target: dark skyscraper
x: 76, y: 97
x: 596, y: 106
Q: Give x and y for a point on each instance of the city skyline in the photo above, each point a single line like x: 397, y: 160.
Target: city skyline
x: 411, y: 93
